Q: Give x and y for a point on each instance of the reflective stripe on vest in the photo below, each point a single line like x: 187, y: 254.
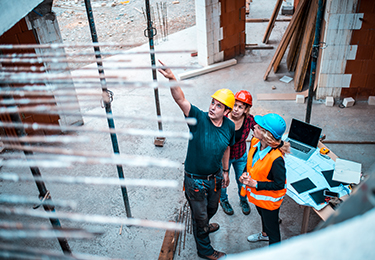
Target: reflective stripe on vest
x: 263, y: 197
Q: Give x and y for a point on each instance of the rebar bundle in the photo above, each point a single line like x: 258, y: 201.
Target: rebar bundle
x: 38, y: 87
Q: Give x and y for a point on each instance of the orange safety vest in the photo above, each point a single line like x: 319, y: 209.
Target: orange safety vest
x: 266, y: 199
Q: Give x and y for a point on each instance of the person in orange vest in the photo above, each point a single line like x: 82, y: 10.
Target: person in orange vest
x: 265, y: 174
x: 244, y: 122
x: 206, y: 163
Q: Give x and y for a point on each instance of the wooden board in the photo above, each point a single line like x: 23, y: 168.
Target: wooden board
x: 207, y: 69
x: 272, y: 21
x: 295, y: 44
x: 263, y: 20
x: 256, y: 47
x: 306, y: 47
x: 169, y: 245
x: 281, y: 96
x: 299, y: 14
x: 286, y: 37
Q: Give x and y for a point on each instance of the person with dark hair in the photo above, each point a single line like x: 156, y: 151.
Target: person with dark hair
x: 265, y: 174
x: 207, y: 155
x: 244, y: 122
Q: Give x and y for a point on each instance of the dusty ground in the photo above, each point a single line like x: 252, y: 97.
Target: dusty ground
x: 121, y: 22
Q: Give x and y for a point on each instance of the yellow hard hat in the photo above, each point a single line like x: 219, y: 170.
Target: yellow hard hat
x: 225, y: 96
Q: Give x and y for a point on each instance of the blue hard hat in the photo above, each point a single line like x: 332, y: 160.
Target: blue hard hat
x: 274, y: 123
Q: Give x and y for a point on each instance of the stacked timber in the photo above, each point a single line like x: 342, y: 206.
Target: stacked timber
x: 299, y: 36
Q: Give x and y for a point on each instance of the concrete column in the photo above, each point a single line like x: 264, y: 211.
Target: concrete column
x: 209, y: 32
x: 44, y: 23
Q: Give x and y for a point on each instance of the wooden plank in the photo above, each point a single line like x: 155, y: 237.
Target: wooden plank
x: 295, y: 44
x: 281, y: 96
x: 255, y: 47
x: 272, y: 21
x: 169, y: 245
x: 287, y: 35
x: 287, y: 40
x: 263, y: 20
x: 207, y: 69
x: 306, y: 47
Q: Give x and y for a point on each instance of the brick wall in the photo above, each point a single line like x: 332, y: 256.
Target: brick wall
x: 362, y: 83
x: 232, y: 21
x: 20, y: 34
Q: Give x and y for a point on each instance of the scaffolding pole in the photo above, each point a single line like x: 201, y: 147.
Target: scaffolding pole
x: 107, y: 103
x: 150, y: 32
x: 44, y: 194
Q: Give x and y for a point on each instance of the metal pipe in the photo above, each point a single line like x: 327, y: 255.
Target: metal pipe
x: 98, y: 219
x: 59, y: 67
x: 11, y: 251
x: 111, y: 123
x: 85, y: 84
x: 43, y: 192
x: 87, y: 180
x: 314, y: 57
x: 151, y: 32
x: 135, y: 132
x: 43, y: 234
x: 187, y: 120
x: 14, y: 199
x: 75, y: 45
x: 88, y: 157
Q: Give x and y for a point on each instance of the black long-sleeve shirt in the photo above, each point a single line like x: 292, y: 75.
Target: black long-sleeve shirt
x: 277, y: 176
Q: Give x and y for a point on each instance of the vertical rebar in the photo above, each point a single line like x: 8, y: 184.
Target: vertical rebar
x: 163, y: 17
x: 107, y: 103
x: 150, y: 34
x: 166, y: 19
x: 314, y: 58
x: 43, y: 192
x: 160, y: 24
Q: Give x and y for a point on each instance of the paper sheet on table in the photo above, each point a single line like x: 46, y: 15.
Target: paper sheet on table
x: 298, y: 169
x: 347, y: 171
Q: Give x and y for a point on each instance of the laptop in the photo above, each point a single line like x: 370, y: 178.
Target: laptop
x: 303, y: 139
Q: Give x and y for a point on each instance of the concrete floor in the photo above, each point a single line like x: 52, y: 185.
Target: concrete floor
x: 352, y: 124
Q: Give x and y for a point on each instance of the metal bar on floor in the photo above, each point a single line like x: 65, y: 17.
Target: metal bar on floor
x: 107, y: 103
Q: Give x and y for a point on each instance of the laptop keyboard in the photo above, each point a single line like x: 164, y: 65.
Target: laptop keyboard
x: 299, y: 147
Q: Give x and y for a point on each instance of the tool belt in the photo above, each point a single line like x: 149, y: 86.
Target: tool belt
x: 203, y: 177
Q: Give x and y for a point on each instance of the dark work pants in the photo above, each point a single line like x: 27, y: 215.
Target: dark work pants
x: 270, y: 224
x: 204, y: 202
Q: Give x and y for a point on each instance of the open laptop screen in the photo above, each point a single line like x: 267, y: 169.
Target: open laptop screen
x: 304, y: 133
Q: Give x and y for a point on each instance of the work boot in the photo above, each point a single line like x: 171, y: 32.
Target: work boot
x: 245, y: 207
x: 227, y: 207
x: 214, y: 256
x: 213, y: 227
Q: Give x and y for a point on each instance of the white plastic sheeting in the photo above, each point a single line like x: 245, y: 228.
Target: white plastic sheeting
x: 13, y: 11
